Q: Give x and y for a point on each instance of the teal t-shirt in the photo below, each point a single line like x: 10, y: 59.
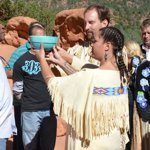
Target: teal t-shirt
x: 14, y: 57
x: 16, y: 54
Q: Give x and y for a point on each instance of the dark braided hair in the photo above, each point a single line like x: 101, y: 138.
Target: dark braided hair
x: 113, y: 35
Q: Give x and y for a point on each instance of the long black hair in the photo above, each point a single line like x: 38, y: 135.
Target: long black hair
x: 113, y: 35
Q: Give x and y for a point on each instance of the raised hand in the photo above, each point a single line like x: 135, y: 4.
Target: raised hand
x: 64, y: 54
x: 55, y: 57
x: 40, y: 54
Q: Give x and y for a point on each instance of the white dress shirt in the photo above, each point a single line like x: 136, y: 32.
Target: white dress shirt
x: 147, y: 50
x: 7, y: 122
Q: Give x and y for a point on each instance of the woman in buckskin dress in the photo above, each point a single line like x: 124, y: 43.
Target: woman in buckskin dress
x: 94, y: 102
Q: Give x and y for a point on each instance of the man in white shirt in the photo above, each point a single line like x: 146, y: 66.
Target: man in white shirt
x: 7, y: 123
x: 145, y: 30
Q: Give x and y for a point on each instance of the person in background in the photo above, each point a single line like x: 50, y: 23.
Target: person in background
x: 143, y: 88
x: 96, y: 108
x: 96, y: 17
x: 17, y: 139
x: 145, y: 31
x: 38, y: 120
x: 143, y: 102
x: 7, y: 122
x: 135, y: 58
x: 17, y: 53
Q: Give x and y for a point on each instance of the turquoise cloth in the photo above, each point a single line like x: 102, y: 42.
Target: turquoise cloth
x: 16, y: 54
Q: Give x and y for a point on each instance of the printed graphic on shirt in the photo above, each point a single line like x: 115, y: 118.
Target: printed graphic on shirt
x: 31, y: 67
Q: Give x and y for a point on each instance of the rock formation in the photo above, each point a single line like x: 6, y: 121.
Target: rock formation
x: 14, y: 34
x: 17, y: 30
x: 2, y: 32
x: 69, y: 27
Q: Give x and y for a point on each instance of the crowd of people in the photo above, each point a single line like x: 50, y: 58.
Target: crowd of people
x: 103, y: 94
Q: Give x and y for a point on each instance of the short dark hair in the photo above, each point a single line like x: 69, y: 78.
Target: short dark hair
x: 36, y: 25
x: 103, y: 12
x: 145, y: 23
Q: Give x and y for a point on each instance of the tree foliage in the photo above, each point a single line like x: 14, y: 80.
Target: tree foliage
x: 127, y: 14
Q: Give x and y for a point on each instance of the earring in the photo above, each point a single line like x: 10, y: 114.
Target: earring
x: 105, y: 56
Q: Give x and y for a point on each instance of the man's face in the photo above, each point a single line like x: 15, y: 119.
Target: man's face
x: 92, y: 22
x: 146, y: 35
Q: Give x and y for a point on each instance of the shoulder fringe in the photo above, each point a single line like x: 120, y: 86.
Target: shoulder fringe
x: 105, y: 115
x: 83, y: 52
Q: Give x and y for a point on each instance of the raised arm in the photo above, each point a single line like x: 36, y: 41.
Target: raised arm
x: 55, y: 58
x: 67, y: 68
x: 59, y: 60
x: 46, y: 71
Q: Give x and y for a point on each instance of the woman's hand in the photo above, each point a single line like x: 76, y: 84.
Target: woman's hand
x: 65, y: 55
x: 55, y: 57
x: 45, y: 69
x: 40, y: 54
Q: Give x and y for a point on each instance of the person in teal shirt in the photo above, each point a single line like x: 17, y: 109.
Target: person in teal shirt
x: 15, y: 55
x: 17, y: 139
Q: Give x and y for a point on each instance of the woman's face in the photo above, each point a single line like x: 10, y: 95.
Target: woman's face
x: 98, y: 48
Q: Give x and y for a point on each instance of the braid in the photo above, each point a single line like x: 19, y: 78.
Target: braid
x: 113, y: 35
x: 122, y: 68
x: 119, y: 57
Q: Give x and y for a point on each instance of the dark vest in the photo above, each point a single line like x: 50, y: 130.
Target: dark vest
x: 143, y: 51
